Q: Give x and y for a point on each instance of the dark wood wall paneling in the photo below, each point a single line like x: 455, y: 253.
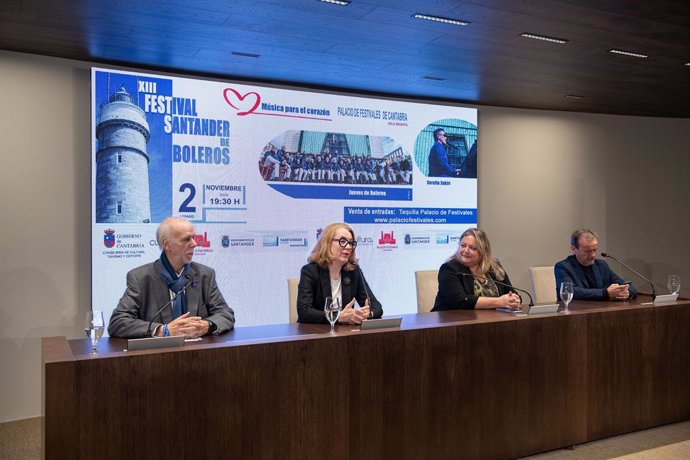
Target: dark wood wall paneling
x: 367, y: 45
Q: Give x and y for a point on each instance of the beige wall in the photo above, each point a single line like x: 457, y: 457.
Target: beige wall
x: 542, y: 174
x: 45, y: 190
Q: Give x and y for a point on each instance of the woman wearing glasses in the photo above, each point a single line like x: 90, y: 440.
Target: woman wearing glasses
x: 332, y: 271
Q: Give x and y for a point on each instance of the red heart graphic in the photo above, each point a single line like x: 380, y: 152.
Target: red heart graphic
x: 240, y: 98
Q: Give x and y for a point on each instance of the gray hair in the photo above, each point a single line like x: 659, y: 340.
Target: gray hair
x: 165, y: 228
x: 587, y: 233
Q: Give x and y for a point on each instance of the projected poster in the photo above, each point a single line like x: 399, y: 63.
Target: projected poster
x: 261, y: 171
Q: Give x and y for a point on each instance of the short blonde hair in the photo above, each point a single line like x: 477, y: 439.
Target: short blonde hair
x: 321, y: 254
x: 488, y: 262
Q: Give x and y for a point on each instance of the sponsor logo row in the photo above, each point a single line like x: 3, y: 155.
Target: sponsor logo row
x: 113, y: 240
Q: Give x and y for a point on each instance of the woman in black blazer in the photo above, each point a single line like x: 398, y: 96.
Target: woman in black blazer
x: 470, y: 278
x: 332, y: 271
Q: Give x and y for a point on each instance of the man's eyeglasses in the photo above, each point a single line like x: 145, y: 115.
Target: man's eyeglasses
x: 343, y: 242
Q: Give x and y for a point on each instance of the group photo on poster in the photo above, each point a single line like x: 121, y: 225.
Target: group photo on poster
x: 339, y: 158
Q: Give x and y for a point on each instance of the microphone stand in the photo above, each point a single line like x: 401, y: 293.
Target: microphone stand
x: 531, y: 301
x: 149, y: 342
x: 191, y: 282
x: 366, y: 291
x: 609, y: 256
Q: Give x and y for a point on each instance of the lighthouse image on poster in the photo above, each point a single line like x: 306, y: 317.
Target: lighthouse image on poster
x: 122, y: 162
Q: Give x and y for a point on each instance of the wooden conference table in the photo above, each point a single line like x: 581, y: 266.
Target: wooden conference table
x: 463, y: 384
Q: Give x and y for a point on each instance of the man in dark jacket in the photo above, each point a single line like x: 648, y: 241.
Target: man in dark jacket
x: 591, y: 277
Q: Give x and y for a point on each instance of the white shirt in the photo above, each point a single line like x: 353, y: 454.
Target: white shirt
x: 336, y: 291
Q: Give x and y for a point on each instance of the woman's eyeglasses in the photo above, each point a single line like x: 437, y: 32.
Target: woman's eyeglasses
x: 344, y: 242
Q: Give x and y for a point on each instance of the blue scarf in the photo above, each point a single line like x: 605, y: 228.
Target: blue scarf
x: 175, y: 284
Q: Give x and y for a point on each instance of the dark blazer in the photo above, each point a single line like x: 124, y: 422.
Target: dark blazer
x: 469, y: 167
x: 456, y: 289
x: 438, y: 162
x: 569, y: 269
x: 315, y: 286
x: 147, y: 292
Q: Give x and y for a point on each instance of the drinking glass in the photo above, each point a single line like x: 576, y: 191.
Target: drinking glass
x: 566, y: 293
x: 674, y: 284
x: 93, y: 326
x: 332, y: 310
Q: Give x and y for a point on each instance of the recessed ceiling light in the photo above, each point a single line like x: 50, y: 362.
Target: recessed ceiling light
x: 628, y: 53
x: 687, y: 63
x: 429, y: 77
x: 544, y: 38
x: 427, y: 17
x: 336, y: 2
x: 239, y: 53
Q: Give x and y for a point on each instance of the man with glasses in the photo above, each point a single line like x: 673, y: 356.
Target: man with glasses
x: 438, y: 157
x: 591, y: 277
x: 196, y: 305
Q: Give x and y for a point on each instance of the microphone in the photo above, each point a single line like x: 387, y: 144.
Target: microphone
x: 191, y: 282
x: 607, y: 255
x: 366, y: 291
x: 531, y: 301
x: 361, y: 278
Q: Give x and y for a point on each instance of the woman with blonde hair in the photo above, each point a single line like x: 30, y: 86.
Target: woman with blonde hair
x: 473, y: 279
x: 332, y: 271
